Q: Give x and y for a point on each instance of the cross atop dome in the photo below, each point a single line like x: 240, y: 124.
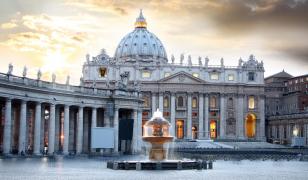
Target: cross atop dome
x: 140, y: 21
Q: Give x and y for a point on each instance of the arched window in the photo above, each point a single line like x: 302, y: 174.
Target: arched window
x: 213, y: 102
x: 180, y: 101
x: 251, y: 102
x: 194, y: 102
x: 166, y: 102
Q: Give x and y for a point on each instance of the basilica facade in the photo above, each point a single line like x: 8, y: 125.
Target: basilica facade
x: 201, y: 101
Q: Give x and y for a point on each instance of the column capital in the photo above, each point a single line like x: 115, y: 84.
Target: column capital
x: 8, y: 98
x: 52, y: 103
x: 262, y: 96
x: 172, y: 93
x: 38, y: 102
x: 240, y: 95
x: 223, y: 94
x: 154, y: 93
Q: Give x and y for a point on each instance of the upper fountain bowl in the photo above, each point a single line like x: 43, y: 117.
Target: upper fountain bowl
x: 157, y: 126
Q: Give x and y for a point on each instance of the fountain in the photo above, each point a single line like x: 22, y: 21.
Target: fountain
x: 156, y: 132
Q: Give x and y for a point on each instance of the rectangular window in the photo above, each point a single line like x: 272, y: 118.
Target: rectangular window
x: 214, y: 76
x: 251, y: 102
x: 167, y: 74
x: 146, y: 74
x: 251, y: 76
x: 231, y: 77
x: 195, y: 75
x: 194, y: 102
x: 213, y: 102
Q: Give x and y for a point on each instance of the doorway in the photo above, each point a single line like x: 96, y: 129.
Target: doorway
x: 213, y: 129
x: 250, y: 125
x: 126, y: 126
x: 180, y: 129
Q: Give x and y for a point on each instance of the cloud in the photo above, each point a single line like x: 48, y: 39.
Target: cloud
x: 9, y: 25
x: 54, y: 40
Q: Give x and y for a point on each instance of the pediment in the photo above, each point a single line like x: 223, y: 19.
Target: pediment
x: 182, y: 77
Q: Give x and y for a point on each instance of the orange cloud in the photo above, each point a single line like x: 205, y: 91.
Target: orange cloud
x: 54, y: 40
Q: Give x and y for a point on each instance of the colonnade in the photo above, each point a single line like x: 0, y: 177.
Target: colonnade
x: 38, y: 129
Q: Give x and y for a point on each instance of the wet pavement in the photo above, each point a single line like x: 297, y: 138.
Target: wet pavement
x: 95, y: 168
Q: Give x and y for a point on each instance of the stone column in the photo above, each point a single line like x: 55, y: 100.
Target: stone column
x: 161, y: 102
x: 51, y: 131
x: 189, y: 123
x: 206, y: 117
x: 135, y: 131
x: 262, y: 119
x: 201, y: 130
x: 306, y: 133
x: 139, y: 128
x: 240, y: 116
x: 79, y: 130
x: 280, y: 133
x: 116, y: 129
x: 153, y: 103
x: 7, y: 136
x: 57, y: 129
x: 94, y: 117
x: 222, y: 116
x: 107, y: 121
x: 22, y: 127
x: 172, y: 115
x: 66, y: 129
x: 37, y: 130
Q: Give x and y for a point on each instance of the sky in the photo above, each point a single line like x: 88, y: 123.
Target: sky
x: 55, y: 36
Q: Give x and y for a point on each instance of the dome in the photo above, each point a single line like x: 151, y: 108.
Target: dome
x: 140, y: 43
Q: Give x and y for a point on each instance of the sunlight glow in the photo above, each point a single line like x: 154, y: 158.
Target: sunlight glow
x: 54, y: 61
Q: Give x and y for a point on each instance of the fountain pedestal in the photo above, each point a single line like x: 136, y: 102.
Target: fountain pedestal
x: 157, y: 151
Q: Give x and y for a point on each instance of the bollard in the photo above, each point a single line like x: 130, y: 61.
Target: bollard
x: 179, y: 165
x: 138, y: 166
x: 210, y: 165
x: 115, y: 166
x: 204, y: 164
x: 126, y: 166
x: 199, y: 165
x: 158, y: 166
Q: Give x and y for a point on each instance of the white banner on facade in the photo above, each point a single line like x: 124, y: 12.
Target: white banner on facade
x: 102, y: 137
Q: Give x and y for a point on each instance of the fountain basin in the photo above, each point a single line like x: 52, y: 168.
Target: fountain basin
x: 159, y: 165
x: 157, y: 151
